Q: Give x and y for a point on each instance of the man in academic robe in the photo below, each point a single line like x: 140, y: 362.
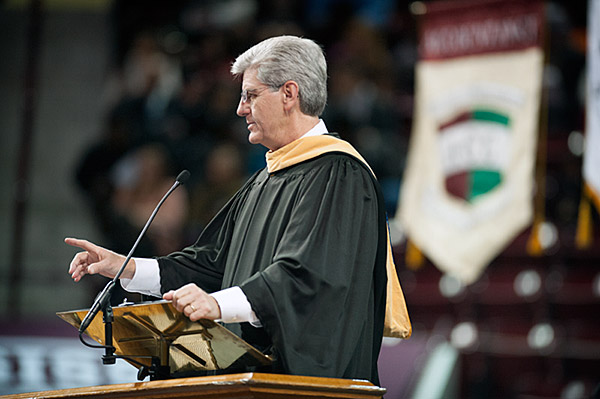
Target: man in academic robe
x: 294, y: 263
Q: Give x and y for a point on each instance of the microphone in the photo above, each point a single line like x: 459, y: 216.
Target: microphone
x: 104, y: 296
x: 181, y: 179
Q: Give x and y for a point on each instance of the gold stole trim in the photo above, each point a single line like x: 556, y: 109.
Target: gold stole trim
x: 397, y: 321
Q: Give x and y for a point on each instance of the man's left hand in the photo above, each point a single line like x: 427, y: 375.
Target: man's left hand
x: 194, y: 302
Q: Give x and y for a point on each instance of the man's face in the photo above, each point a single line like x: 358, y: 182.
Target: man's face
x: 263, y: 109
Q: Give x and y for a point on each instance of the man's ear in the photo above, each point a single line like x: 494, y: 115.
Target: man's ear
x: 291, y: 93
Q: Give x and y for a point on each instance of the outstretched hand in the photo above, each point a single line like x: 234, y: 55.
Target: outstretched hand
x: 194, y: 302
x: 97, y: 260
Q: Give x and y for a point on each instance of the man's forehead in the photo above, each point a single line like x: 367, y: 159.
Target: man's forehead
x: 249, y: 79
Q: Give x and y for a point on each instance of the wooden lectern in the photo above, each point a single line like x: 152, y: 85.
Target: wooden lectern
x: 246, y: 385
x: 155, y: 334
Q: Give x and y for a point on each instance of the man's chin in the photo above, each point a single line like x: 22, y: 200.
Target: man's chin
x: 254, y: 138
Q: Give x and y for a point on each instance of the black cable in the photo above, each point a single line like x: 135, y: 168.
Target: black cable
x: 92, y: 345
x: 124, y: 357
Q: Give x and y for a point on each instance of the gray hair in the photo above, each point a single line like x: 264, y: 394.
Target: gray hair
x: 282, y: 58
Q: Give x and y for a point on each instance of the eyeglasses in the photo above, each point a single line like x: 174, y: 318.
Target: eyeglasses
x: 248, y: 95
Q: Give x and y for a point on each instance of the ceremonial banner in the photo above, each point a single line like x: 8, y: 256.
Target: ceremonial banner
x: 468, y: 186
x: 591, y: 157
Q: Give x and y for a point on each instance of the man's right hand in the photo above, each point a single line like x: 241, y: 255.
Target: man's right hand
x: 97, y: 260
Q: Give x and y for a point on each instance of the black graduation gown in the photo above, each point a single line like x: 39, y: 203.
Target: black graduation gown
x: 305, y: 246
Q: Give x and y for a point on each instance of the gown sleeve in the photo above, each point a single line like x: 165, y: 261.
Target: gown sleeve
x: 203, y: 262
x: 317, y: 299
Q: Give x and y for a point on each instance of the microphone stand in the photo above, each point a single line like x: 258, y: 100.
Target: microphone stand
x: 102, y: 303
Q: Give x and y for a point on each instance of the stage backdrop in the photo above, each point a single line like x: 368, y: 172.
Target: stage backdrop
x: 468, y: 186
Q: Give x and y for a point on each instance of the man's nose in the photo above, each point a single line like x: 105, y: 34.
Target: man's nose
x: 243, y: 108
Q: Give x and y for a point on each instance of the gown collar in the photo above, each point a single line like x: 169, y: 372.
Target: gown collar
x: 308, y: 147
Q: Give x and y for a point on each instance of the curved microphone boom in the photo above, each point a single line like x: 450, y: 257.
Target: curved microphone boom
x: 104, y: 296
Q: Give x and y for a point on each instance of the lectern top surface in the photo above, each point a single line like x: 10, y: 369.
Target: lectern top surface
x: 158, y: 329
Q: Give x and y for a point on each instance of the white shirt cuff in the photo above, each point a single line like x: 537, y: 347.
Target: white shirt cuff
x: 235, y: 307
x: 146, y: 279
x: 233, y: 303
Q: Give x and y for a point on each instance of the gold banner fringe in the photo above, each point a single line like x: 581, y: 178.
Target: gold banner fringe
x: 414, y: 257
x: 585, y: 228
